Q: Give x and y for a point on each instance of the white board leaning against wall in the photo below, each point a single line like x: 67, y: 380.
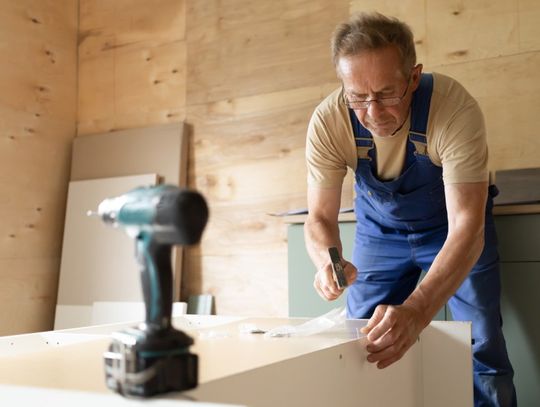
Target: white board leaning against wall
x: 98, y: 262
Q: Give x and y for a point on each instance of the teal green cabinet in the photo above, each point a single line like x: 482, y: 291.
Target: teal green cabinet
x: 519, y: 247
x: 303, y: 299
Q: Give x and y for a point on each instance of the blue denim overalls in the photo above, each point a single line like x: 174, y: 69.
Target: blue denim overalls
x: 401, y: 226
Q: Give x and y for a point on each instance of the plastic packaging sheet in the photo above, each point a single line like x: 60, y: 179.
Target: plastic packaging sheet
x: 314, y: 326
x: 331, y: 322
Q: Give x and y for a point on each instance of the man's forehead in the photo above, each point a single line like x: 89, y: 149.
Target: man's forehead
x: 372, y: 72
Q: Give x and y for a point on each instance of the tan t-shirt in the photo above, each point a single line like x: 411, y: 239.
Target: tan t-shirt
x: 456, y: 139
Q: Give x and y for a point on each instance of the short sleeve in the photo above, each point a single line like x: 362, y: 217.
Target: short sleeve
x: 326, y: 168
x: 463, y: 146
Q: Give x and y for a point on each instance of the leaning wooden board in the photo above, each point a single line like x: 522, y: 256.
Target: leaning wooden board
x: 98, y: 262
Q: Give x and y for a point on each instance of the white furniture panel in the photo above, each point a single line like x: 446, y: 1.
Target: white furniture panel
x: 326, y: 369
x: 98, y: 262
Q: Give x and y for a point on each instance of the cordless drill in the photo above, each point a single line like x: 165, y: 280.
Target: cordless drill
x: 154, y: 357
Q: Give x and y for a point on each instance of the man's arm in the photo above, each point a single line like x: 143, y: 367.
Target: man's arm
x: 392, y: 330
x: 321, y: 231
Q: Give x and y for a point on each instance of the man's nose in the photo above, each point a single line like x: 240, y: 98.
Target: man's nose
x: 375, y: 109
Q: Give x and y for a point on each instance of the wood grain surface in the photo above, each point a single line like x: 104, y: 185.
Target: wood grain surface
x: 38, y: 102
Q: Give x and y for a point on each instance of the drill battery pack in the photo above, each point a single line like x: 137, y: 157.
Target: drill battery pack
x: 142, y: 363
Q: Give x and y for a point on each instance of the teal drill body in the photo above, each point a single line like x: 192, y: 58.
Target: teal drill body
x: 154, y: 357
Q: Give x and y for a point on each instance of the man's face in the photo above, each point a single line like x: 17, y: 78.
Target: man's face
x: 374, y: 75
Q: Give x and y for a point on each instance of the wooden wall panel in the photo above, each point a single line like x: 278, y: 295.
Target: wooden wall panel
x: 38, y: 93
x: 131, y: 64
x: 460, y: 30
x: 529, y: 16
x: 508, y: 90
x: 244, y: 47
x: 500, y: 68
x: 256, y: 70
x: 27, y: 287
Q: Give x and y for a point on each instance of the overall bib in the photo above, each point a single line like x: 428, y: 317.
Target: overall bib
x: 401, y: 226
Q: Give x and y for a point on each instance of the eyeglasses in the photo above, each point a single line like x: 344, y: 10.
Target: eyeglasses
x: 386, y: 102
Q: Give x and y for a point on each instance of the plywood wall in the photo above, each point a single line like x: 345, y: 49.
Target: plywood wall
x: 132, y: 64
x: 38, y: 94
x: 247, y: 74
x: 255, y: 72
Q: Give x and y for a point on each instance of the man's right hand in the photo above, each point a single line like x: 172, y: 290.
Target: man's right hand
x: 324, y: 282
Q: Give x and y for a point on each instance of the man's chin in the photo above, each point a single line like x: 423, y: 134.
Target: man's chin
x: 382, y: 131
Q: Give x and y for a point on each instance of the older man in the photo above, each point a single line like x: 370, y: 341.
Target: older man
x: 417, y: 144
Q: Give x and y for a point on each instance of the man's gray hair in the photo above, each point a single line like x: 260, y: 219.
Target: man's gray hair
x: 372, y: 31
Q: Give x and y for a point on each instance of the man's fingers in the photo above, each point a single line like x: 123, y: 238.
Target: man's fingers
x: 394, y: 333
x: 330, y: 285
x: 389, y: 355
x: 328, y: 293
x: 384, y: 323
x: 350, y: 273
x: 386, y: 350
x: 320, y: 289
x: 317, y: 287
x: 327, y: 290
x: 387, y: 362
x: 377, y: 316
x: 388, y: 339
x: 327, y: 287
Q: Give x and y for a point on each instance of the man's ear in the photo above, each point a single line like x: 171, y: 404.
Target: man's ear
x: 415, y: 76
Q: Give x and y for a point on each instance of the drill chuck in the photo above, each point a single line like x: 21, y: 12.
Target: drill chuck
x: 170, y: 214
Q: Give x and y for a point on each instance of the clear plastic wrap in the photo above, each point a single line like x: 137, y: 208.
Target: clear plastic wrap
x: 314, y: 326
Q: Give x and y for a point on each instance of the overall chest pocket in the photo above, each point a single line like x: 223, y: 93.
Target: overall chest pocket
x: 422, y: 203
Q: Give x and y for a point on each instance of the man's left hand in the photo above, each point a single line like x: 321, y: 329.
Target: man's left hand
x: 391, y: 331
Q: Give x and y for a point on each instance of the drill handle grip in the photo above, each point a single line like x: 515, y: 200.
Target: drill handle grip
x: 156, y: 278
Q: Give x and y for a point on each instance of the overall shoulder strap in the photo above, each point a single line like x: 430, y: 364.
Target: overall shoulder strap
x: 362, y: 138
x: 419, y: 114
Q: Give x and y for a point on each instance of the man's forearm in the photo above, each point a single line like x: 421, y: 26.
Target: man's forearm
x: 457, y: 257
x: 320, y: 235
